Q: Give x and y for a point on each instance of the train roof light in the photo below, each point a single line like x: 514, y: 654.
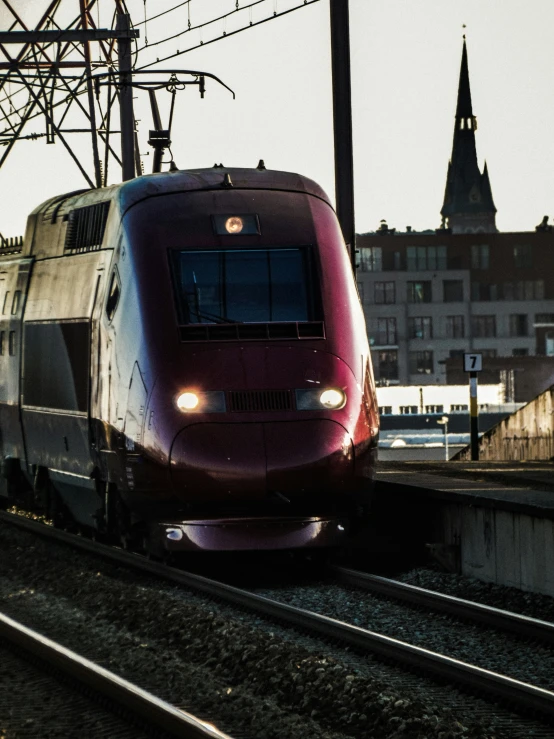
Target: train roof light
x: 234, y: 225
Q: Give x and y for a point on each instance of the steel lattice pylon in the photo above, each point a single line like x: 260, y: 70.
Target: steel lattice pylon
x: 49, y: 78
x: 63, y: 71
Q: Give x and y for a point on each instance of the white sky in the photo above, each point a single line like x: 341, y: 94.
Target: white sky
x: 405, y: 66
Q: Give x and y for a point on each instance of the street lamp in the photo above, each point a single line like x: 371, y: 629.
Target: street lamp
x: 444, y: 422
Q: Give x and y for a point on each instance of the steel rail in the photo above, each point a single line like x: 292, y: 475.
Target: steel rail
x: 155, y: 712
x: 517, y: 693
x: 530, y: 628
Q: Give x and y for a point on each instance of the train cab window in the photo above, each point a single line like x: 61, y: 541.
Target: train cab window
x: 245, y: 286
x: 6, y: 303
x: 11, y: 343
x: 15, y: 302
x: 2, y: 335
x: 113, y: 296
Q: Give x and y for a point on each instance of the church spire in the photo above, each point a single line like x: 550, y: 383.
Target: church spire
x: 468, y: 204
x: 463, y: 108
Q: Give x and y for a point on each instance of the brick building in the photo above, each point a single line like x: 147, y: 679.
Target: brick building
x: 433, y: 295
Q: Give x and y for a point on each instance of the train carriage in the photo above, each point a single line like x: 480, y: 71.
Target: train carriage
x: 184, y: 361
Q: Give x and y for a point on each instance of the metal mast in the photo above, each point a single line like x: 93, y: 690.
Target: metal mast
x: 126, y: 97
x: 342, y: 122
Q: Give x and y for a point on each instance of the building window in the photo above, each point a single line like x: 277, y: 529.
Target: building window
x: 518, y: 324
x: 524, y: 290
x: 455, y: 328
x: 406, y: 410
x: 385, y: 410
x: 382, y: 331
x: 523, y: 256
x: 487, y: 352
x: 421, y: 363
x: 456, y: 353
x: 483, y: 291
x: 384, y: 293
x: 434, y: 409
x: 458, y: 408
x: 425, y: 258
x: 544, y: 317
x: 420, y: 327
x: 371, y: 259
x: 419, y: 292
x: 523, y: 352
x: 388, y: 365
x: 453, y: 291
x: 480, y: 256
x: 483, y: 326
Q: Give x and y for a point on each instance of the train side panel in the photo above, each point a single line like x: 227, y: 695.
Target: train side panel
x: 56, y: 373
x: 14, y: 281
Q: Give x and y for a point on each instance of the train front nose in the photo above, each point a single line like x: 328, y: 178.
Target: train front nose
x: 247, y: 461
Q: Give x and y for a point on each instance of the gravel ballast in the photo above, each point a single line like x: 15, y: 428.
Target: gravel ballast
x: 534, y: 605
x: 225, y: 666
x: 438, y: 632
x: 32, y: 703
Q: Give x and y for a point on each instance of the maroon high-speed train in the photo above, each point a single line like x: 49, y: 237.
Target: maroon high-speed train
x: 184, y: 361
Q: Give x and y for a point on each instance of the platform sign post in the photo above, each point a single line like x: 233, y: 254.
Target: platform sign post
x: 473, y: 363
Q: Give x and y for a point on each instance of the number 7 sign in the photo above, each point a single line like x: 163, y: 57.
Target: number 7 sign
x: 473, y: 362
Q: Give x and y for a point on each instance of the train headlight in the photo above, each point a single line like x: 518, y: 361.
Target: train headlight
x: 210, y: 401
x: 187, y: 401
x: 316, y: 399
x: 333, y: 399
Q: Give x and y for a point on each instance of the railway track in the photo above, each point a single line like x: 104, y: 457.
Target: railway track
x: 523, y: 626
x: 143, y: 708
x: 517, y: 694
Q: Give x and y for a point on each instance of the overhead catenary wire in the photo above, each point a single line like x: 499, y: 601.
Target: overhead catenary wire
x: 202, y: 25
x: 252, y: 24
x: 164, y: 12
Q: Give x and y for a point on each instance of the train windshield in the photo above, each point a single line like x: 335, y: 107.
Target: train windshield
x: 244, y: 286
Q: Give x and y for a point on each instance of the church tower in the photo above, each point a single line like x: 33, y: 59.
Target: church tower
x: 468, y: 205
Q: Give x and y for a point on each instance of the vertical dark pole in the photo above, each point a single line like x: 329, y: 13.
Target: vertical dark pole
x: 473, y: 417
x: 158, y: 151
x: 342, y: 122
x: 126, y: 99
x: 90, y: 92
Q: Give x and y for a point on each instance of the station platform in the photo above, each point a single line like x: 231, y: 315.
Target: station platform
x: 523, y: 487
x: 489, y: 520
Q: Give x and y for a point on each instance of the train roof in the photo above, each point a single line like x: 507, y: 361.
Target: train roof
x: 187, y: 180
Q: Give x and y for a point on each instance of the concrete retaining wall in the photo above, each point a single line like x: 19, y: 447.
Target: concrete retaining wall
x: 527, y: 434
x: 504, y: 547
